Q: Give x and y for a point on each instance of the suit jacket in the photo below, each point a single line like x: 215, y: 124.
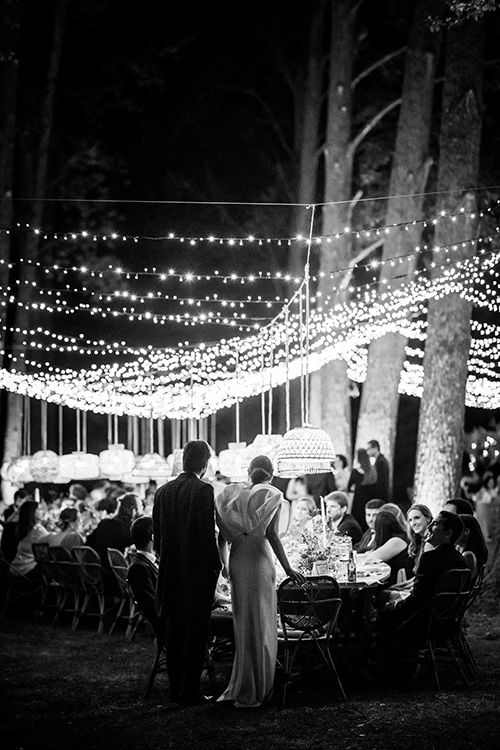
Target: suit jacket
x: 142, y: 577
x: 431, y: 567
x: 351, y: 527
x: 184, y: 537
x: 382, y: 483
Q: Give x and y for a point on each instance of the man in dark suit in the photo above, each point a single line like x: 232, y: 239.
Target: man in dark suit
x: 382, y: 468
x: 410, y: 615
x: 142, y: 574
x: 367, y: 541
x: 184, y: 537
x: 338, y: 519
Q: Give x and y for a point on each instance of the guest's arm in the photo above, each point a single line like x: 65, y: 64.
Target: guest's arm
x: 272, y: 534
x: 387, y: 551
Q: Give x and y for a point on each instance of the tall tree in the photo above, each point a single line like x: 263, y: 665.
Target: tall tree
x: 440, y: 434
x: 9, y: 63
x: 380, y: 397
x: 19, y: 319
x: 330, y: 405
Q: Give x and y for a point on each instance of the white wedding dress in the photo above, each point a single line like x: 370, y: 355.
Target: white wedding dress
x: 244, y: 514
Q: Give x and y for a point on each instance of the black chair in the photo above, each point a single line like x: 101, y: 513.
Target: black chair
x: 119, y: 567
x: 308, y: 614
x: 50, y: 582
x: 442, y: 644
x: 19, y: 588
x: 90, y: 572
x: 70, y: 590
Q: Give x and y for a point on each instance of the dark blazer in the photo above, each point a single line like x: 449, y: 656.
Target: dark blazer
x: 142, y: 577
x: 351, y: 527
x: 383, y: 476
x: 184, y: 537
x: 431, y: 567
x: 366, y: 542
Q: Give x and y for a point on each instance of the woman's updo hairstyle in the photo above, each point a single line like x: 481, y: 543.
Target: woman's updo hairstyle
x: 67, y: 517
x: 261, y: 469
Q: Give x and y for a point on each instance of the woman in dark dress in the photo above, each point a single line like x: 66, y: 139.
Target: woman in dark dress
x: 363, y: 483
x: 391, y: 545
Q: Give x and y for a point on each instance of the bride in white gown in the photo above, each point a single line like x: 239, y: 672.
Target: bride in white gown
x: 248, y: 518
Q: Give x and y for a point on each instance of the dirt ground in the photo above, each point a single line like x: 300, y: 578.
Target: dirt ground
x: 61, y: 689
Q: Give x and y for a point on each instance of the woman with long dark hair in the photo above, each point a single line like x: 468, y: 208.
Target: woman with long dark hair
x: 248, y: 518
x: 391, y: 544
x: 363, y: 483
x: 29, y: 531
x: 419, y: 517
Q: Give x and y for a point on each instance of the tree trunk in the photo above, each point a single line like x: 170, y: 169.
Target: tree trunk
x: 9, y: 39
x: 330, y: 386
x: 380, y: 397
x: 308, y: 115
x: 20, y: 314
x: 440, y: 435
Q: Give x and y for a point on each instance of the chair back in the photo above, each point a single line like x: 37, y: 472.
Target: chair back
x: 450, y: 598
x: 118, y: 565
x: 309, y: 606
x: 63, y: 565
x: 89, y: 566
x: 477, y: 585
x: 40, y: 551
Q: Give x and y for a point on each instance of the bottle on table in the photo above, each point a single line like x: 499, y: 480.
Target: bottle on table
x: 351, y: 568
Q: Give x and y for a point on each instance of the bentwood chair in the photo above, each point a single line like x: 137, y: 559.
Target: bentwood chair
x: 443, y: 644
x: 308, y: 613
x: 90, y: 572
x: 119, y: 568
x: 50, y: 582
x: 70, y: 590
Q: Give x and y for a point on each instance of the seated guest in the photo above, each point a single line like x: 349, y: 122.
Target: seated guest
x: 391, y: 544
x: 472, y: 545
x: 459, y: 506
x: 29, y: 531
x: 8, y: 544
x: 296, y: 488
x: 338, y: 519
x: 303, y: 510
x: 69, y: 535
x: 368, y: 539
x: 143, y: 572
x: 114, y: 533
x: 410, y: 615
x: 419, y: 517
x: 400, y: 516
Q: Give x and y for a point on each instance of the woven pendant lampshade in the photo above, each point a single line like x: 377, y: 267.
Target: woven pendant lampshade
x: 44, y: 466
x: 304, y: 450
x: 151, y: 466
x: 115, y: 462
x: 79, y: 465
x: 18, y: 471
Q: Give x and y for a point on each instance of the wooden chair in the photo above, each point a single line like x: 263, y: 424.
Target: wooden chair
x: 90, y: 572
x: 449, y: 603
x: 119, y: 567
x: 308, y: 614
x: 70, y: 590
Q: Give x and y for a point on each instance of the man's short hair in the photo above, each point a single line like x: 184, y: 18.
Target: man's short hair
x: 142, y: 531
x: 195, y: 456
x: 374, y: 444
x: 453, y: 522
x: 342, y: 459
x: 463, y: 506
x: 338, y: 497
x: 375, y: 503
x: 107, y: 504
x: 20, y: 494
x: 78, y: 491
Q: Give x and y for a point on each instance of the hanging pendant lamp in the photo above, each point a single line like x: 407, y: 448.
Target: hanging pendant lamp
x: 306, y: 449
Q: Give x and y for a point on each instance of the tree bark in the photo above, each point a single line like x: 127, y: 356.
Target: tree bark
x: 20, y: 314
x: 9, y: 63
x: 330, y: 386
x: 308, y: 115
x: 386, y: 355
x: 440, y: 435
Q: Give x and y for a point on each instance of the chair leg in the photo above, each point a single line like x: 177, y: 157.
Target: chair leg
x: 430, y: 646
x: 102, y: 604
x: 152, y: 674
x: 118, y: 615
x: 335, y: 673
x: 83, y: 609
x: 455, y: 661
x: 468, y: 656
x: 61, y: 601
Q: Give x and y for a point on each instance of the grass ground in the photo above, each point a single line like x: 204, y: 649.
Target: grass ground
x: 69, y: 690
